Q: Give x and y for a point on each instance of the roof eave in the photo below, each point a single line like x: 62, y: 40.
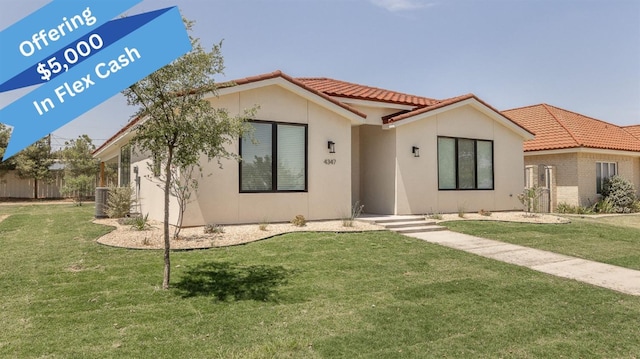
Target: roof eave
x: 471, y: 100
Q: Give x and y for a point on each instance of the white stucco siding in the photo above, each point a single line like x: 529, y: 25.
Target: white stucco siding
x: 417, y: 178
x: 377, y: 169
x: 329, y: 184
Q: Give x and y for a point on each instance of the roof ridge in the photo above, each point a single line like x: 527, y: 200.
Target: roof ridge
x: 585, y: 116
x: 364, y: 86
x: 523, y: 107
x: 546, y: 107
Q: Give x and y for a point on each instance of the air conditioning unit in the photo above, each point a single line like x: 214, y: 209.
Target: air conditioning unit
x: 102, y: 194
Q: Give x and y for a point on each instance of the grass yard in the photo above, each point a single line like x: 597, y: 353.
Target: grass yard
x: 612, y: 240
x: 312, y: 295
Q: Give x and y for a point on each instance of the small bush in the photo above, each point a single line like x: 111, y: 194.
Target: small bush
x: 139, y: 223
x: 571, y: 209
x: 461, y: 211
x: 485, y: 213
x: 437, y: 216
x: 263, y: 225
x: 604, y: 206
x: 213, y: 229
x: 119, y: 202
x: 356, y: 210
x: 620, y: 192
x: 299, y: 221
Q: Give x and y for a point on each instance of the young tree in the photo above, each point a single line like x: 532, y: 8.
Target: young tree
x: 179, y: 126
x: 34, y: 161
x: 80, y: 167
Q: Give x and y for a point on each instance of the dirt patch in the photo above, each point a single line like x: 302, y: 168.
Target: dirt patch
x: 3, y: 217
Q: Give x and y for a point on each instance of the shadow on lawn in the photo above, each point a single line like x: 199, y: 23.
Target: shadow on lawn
x: 228, y: 281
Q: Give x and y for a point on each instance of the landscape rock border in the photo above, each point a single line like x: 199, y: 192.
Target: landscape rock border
x: 125, y: 236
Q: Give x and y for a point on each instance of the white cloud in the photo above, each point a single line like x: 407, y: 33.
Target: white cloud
x: 401, y: 5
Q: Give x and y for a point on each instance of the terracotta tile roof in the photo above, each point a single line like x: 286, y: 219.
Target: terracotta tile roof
x: 634, y: 130
x: 243, y: 81
x: 120, y: 132
x: 556, y: 128
x: 345, y: 89
x: 295, y: 81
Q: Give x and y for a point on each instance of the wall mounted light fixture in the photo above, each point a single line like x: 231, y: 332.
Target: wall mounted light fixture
x: 416, y: 151
x: 331, y: 146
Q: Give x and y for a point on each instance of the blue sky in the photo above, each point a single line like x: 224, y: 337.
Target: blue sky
x: 580, y: 55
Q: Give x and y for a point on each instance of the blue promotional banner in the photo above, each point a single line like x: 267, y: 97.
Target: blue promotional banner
x: 130, y: 49
x: 50, y: 29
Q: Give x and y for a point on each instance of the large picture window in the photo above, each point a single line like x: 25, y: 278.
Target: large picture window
x: 125, y: 166
x: 274, y: 158
x: 604, y: 170
x: 464, y: 164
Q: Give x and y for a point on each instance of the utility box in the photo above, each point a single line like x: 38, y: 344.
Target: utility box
x: 102, y: 194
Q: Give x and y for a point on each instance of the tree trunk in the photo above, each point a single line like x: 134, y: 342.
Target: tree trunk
x: 167, y: 243
x: 35, y: 188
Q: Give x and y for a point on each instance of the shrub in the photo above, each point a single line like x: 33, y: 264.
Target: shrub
x: 299, y: 221
x: 139, y: 223
x: 485, y: 213
x: 530, y: 199
x: 263, y: 225
x: 436, y: 215
x: 213, y: 228
x: 119, y: 202
x: 620, y: 192
x: 571, y: 209
x: 604, y: 206
x: 356, y: 210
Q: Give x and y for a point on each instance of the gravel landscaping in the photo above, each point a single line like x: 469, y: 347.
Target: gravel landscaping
x: 195, y: 238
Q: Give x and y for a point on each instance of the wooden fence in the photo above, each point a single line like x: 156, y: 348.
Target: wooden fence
x: 12, y: 186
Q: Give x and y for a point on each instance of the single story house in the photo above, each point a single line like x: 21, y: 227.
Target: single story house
x: 324, y: 145
x: 580, y: 152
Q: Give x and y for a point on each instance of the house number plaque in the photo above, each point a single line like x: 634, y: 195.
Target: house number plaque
x: 330, y: 161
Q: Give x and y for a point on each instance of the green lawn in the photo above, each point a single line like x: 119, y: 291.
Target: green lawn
x: 612, y: 240
x: 313, y: 295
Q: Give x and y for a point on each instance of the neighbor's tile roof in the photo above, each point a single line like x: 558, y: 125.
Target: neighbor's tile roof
x: 345, y: 89
x: 633, y: 129
x: 556, y: 128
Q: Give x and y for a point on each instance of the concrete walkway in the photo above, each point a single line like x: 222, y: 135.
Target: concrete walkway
x: 603, y: 275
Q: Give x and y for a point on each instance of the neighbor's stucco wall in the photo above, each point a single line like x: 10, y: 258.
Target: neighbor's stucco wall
x: 329, y: 185
x: 417, y: 179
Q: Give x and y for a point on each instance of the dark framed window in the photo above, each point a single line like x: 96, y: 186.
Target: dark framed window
x: 274, y: 158
x: 125, y: 166
x: 604, y: 170
x: 465, y: 164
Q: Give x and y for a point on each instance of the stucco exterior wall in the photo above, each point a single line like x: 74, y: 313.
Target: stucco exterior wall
x: 417, y: 180
x: 329, y: 182
x: 377, y: 174
x: 149, y: 190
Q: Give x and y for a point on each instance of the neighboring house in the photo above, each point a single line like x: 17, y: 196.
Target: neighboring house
x: 337, y: 143
x: 580, y: 152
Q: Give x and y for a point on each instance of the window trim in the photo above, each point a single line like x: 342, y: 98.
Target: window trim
x: 455, y: 164
x: 274, y: 158
x: 600, y: 181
